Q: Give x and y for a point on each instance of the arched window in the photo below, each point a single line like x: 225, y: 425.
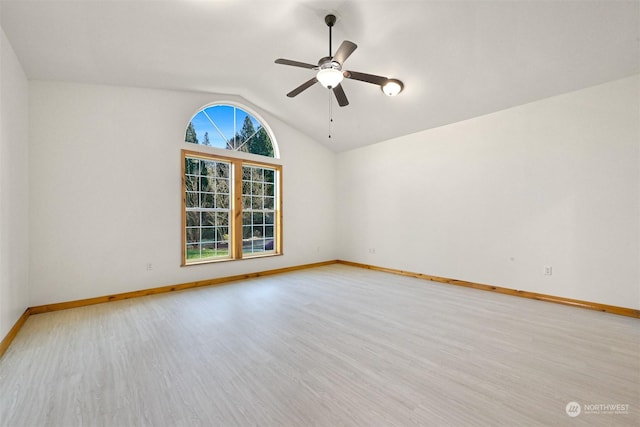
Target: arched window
x: 232, y: 207
x: 232, y: 128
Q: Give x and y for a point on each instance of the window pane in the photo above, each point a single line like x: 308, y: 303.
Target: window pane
x: 191, y: 183
x: 208, y: 200
x: 258, y: 218
x: 205, y: 184
x: 246, y: 187
x: 268, y: 203
x: 193, y: 235
x: 192, y: 200
x: 222, y: 218
x: 269, y: 175
x: 193, y: 252
x: 256, y: 202
x: 268, y: 190
x: 208, y: 219
x: 222, y: 201
x: 193, y: 219
x: 222, y: 170
x: 191, y: 166
x: 268, y: 218
x: 208, y: 234
x: 222, y: 185
x: 246, y: 173
x: 209, y: 168
x: 246, y: 234
x: 256, y: 174
x: 222, y: 234
x: 203, y: 167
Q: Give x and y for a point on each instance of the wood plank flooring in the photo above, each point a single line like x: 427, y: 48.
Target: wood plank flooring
x: 330, y: 346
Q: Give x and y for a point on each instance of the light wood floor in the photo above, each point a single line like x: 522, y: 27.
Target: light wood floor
x: 331, y: 346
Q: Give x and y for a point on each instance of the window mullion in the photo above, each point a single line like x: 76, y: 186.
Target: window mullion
x: 237, y: 209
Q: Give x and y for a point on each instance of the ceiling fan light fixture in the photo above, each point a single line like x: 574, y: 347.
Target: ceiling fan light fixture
x: 329, y: 77
x: 392, y: 87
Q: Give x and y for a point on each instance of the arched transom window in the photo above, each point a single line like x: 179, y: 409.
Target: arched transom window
x: 232, y: 128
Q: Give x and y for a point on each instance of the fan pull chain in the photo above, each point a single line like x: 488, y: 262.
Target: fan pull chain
x: 330, y: 114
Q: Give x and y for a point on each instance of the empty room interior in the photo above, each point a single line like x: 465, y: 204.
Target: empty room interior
x: 305, y: 213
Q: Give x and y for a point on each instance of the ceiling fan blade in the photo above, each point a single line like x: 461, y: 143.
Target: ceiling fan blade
x: 344, y: 51
x: 364, y: 77
x: 295, y: 63
x: 338, y: 91
x: 303, y: 86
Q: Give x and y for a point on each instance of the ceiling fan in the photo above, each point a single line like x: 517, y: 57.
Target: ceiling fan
x: 330, y: 72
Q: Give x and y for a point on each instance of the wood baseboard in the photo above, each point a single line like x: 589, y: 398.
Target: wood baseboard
x: 4, y: 344
x: 171, y: 288
x: 621, y: 311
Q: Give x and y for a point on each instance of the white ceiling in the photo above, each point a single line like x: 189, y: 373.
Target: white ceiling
x: 458, y: 59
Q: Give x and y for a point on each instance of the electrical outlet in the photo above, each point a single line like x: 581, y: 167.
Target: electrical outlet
x: 372, y: 250
x: 149, y: 266
x: 548, y: 270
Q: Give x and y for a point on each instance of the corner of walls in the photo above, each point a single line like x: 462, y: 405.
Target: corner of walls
x: 310, y: 219
x: 498, y: 198
x: 14, y: 188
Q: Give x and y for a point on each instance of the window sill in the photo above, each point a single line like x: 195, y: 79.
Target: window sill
x: 216, y: 261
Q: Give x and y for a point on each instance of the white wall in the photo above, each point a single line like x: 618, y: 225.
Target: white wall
x: 489, y: 200
x: 14, y: 231
x: 105, y: 190
x: 496, y: 198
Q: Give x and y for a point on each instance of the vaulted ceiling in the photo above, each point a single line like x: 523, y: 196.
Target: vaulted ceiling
x: 457, y: 59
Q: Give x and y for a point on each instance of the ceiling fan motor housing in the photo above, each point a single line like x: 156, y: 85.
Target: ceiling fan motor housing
x: 328, y: 62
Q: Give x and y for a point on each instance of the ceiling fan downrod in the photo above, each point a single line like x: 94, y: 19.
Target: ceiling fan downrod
x: 330, y: 20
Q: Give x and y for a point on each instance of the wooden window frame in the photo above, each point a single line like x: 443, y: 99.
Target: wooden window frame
x: 236, y: 209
